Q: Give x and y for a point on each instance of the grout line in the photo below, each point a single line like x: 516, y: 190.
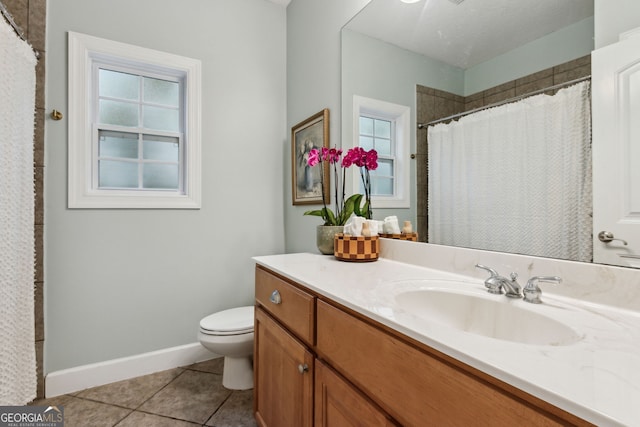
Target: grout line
x: 159, y: 390
x: 219, y: 407
x: 123, y: 418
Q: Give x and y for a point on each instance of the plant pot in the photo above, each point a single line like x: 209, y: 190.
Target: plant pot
x: 324, y: 237
x: 356, y: 248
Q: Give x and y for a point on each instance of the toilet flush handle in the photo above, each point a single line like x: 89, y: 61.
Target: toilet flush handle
x: 275, y: 297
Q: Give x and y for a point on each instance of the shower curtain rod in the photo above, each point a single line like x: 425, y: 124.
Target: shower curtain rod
x: 506, y: 101
x: 9, y: 19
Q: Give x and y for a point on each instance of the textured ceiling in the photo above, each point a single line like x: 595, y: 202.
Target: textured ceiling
x: 468, y: 33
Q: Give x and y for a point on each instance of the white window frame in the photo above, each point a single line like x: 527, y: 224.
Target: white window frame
x: 84, y: 51
x: 400, y: 115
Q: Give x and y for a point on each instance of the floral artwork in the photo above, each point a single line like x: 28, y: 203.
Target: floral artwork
x: 311, y: 134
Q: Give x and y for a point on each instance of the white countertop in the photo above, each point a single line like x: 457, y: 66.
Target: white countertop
x: 596, y: 378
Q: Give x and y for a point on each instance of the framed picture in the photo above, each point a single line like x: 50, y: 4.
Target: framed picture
x: 305, y: 136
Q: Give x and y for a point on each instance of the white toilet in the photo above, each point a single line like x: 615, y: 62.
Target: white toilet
x: 229, y: 333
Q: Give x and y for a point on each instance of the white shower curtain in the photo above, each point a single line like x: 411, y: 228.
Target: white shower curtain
x: 17, y: 100
x: 515, y: 178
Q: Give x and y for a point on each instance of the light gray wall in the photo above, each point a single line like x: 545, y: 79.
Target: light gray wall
x: 556, y: 48
x: 124, y: 282
x: 313, y: 83
x: 614, y: 17
x: 382, y: 71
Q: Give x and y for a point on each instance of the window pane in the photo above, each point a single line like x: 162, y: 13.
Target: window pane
x: 366, y: 126
x: 160, y: 148
x: 382, y: 129
x: 118, y: 113
x: 119, y: 85
x: 161, y: 118
x: 366, y: 142
x: 160, y: 176
x: 385, y: 168
x: 383, y: 147
x: 161, y: 92
x: 115, y: 174
x: 382, y: 186
x: 118, y: 144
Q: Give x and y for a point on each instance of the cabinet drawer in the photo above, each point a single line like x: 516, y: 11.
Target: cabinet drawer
x: 415, y: 387
x: 294, y: 308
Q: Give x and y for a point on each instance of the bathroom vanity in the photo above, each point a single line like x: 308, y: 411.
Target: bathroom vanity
x: 334, y: 345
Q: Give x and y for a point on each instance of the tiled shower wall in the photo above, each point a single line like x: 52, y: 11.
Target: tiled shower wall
x: 31, y: 17
x: 433, y: 104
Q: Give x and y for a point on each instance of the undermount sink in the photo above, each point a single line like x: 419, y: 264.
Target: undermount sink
x: 499, y: 318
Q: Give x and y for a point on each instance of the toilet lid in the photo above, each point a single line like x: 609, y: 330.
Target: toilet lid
x: 235, y: 320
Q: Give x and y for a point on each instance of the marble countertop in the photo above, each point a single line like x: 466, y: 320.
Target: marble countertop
x: 596, y: 378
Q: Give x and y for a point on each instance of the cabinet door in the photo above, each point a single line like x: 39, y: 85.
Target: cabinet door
x: 337, y: 403
x: 283, y: 376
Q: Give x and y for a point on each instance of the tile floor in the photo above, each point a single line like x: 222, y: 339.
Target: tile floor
x: 181, y: 397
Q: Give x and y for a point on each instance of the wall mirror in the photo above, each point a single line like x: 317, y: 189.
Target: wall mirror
x: 461, y: 47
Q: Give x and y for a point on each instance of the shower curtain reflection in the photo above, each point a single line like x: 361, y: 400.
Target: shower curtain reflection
x: 515, y: 178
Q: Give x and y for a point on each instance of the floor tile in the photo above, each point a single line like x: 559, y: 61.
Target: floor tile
x: 140, y: 419
x: 133, y: 392
x: 82, y: 413
x: 237, y: 411
x: 52, y: 401
x: 192, y: 396
x: 214, y: 366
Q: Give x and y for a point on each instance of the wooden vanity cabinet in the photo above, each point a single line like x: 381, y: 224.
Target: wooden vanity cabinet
x: 338, y: 403
x: 283, y: 363
x: 341, y: 368
x: 283, y: 392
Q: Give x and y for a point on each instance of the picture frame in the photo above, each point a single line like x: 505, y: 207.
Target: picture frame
x: 310, y: 133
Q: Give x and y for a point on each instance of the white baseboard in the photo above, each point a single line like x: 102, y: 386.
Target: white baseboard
x: 95, y: 374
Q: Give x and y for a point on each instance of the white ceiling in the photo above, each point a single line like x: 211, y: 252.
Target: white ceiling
x: 468, y: 33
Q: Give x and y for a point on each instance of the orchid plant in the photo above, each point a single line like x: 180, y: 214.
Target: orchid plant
x: 366, y: 161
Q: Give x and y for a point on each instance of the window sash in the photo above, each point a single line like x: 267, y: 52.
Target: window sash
x: 140, y: 130
x: 139, y: 160
x: 376, y: 175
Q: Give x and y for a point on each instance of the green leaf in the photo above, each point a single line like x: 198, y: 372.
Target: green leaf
x: 329, y: 218
x: 355, y: 201
x: 317, y: 212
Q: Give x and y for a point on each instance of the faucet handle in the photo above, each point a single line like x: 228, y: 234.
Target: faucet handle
x: 489, y: 269
x: 492, y: 283
x: 532, y: 291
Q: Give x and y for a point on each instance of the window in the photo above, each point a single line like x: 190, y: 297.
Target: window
x: 134, y: 126
x: 384, y: 127
x: 379, y: 134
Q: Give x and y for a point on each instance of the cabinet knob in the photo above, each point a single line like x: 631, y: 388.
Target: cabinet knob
x: 275, y: 297
x: 303, y: 368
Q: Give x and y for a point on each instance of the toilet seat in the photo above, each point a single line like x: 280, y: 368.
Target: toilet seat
x: 234, y: 321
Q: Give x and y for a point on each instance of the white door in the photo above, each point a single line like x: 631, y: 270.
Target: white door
x: 616, y: 152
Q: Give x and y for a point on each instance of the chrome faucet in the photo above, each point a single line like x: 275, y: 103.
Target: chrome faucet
x: 532, y: 291
x: 496, y: 283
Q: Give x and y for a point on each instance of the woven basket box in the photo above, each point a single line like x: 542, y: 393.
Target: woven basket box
x: 404, y: 236
x: 356, y: 248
